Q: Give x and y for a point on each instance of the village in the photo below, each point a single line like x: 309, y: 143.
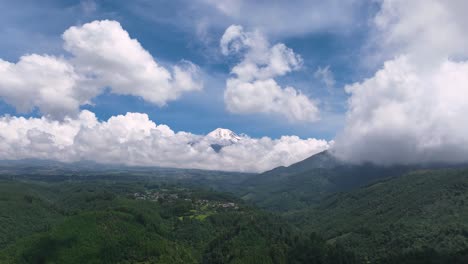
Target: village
x: 201, y: 208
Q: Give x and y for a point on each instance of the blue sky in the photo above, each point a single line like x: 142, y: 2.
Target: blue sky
x: 166, y: 30
x: 380, y: 81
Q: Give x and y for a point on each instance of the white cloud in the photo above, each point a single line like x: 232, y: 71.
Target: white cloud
x: 414, y: 108
x: 134, y: 139
x: 405, y: 115
x: 105, y: 51
x: 104, y: 55
x: 325, y: 75
x: 437, y: 31
x: 45, y: 82
x: 253, y: 88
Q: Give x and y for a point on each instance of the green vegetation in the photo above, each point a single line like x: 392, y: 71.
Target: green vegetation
x: 316, y: 211
x: 25, y: 209
x: 421, y: 215
x: 121, y: 221
x: 307, y: 182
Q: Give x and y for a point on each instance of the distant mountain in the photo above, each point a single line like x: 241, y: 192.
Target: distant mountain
x: 306, y: 182
x: 50, y: 170
x: 322, y: 160
x: 223, y: 134
x: 421, y: 211
x: 222, y: 137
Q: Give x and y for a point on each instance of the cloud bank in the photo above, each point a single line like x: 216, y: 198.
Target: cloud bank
x: 103, y: 56
x: 253, y: 89
x: 133, y: 139
x: 414, y: 108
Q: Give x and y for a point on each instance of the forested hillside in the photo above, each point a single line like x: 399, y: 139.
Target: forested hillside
x: 327, y: 214
x: 116, y: 221
x: 420, y: 214
x: 305, y: 183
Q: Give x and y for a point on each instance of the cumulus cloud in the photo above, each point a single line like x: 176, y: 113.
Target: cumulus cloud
x: 253, y: 89
x: 103, y: 55
x: 437, y: 32
x: 134, y: 139
x: 46, y: 82
x: 414, y: 108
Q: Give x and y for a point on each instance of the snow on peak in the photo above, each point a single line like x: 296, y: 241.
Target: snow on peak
x: 224, y: 134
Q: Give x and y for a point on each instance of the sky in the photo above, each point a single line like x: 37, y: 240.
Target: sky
x: 143, y: 82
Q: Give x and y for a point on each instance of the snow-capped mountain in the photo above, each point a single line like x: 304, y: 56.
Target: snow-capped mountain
x: 222, y: 137
x: 222, y: 134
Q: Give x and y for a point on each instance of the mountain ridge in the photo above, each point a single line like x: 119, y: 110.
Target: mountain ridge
x: 304, y: 183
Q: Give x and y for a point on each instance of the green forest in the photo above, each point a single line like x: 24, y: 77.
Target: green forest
x: 306, y: 215
x: 139, y: 222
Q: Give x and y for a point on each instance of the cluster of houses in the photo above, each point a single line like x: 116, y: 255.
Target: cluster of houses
x: 167, y: 196
x: 216, y: 204
x: 155, y: 196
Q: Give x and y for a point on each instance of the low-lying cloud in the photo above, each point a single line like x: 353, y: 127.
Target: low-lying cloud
x: 133, y: 139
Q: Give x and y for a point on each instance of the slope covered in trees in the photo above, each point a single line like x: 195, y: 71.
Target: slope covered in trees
x: 328, y: 214
x: 305, y: 183
x: 102, y: 221
x: 422, y: 213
